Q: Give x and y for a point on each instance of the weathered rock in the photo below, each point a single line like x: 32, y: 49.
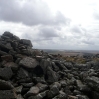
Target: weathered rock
x: 18, y: 89
x: 51, y: 76
x: 22, y: 73
x: 53, y: 92
x: 6, y: 73
x: 82, y: 87
x: 39, y: 96
x: 42, y: 87
x: 28, y: 62
x: 7, y: 94
x: 13, y: 65
x: 8, y: 34
x: 26, y: 42
x: 5, y: 85
x: 93, y: 82
x: 19, y: 96
x: 33, y: 91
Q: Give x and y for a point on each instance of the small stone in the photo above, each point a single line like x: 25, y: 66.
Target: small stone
x: 18, y: 89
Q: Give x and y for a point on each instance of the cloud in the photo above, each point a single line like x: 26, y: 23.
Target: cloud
x: 77, y: 29
x: 30, y: 12
x: 48, y: 32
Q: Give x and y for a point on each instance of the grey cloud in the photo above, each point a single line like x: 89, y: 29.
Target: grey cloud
x: 32, y: 12
x: 78, y: 29
x: 48, y: 32
x: 96, y: 15
x: 88, y: 42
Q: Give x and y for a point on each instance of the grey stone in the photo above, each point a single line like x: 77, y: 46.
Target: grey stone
x: 5, y: 85
x: 22, y: 73
x: 33, y: 91
x: 42, y: 87
x: 28, y: 62
x: 26, y: 42
x: 53, y: 92
x: 6, y: 73
x: 93, y: 82
x: 18, y: 89
x: 19, y: 96
x: 82, y: 87
x: 51, y: 76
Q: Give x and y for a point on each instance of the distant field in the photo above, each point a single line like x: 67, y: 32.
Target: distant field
x: 71, y: 52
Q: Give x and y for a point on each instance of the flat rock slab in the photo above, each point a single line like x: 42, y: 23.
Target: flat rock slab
x: 6, y: 73
x: 5, y: 85
x: 7, y: 94
x: 28, y: 62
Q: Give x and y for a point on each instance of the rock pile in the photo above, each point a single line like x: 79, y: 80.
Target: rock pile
x: 26, y: 73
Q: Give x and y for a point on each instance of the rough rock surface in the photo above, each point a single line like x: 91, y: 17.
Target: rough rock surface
x: 27, y: 73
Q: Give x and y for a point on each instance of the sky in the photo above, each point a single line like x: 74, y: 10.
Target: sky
x: 53, y: 24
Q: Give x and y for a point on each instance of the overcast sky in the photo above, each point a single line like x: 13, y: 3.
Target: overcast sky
x: 53, y: 24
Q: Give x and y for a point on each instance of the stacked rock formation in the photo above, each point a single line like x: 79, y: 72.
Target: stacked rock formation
x: 26, y: 73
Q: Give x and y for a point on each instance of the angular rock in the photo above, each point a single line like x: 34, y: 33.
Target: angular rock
x: 53, y: 92
x: 26, y: 42
x: 6, y: 73
x: 33, y: 91
x: 22, y: 73
x: 51, y: 76
x: 5, y: 85
x: 18, y: 89
x: 39, y: 96
x: 82, y: 87
x: 28, y: 62
x: 19, y: 96
x: 93, y: 82
x: 42, y: 87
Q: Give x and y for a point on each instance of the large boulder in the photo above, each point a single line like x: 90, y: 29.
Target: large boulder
x: 28, y: 62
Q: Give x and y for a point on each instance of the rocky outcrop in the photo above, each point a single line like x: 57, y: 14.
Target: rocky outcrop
x: 27, y: 73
